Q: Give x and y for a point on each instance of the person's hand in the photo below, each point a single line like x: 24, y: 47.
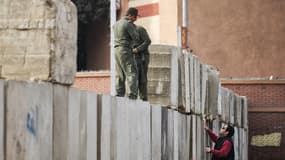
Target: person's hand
x: 208, y: 149
x: 205, y: 125
x: 135, y: 50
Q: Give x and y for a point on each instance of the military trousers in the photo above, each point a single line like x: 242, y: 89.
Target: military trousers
x: 126, y: 72
x: 142, y: 65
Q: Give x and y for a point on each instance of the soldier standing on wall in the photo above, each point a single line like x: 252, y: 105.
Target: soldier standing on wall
x: 142, y: 59
x: 125, y: 35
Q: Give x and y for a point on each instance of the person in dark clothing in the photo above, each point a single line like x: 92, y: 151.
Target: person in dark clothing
x: 224, y: 148
x: 142, y: 58
x: 125, y: 36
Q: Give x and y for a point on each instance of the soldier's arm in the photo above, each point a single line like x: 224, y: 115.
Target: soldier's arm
x: 133, y: 32
x: 146, y: 40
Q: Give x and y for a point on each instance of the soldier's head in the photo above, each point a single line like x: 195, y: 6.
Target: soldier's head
x: 132, y: 14
x: 227, y: 131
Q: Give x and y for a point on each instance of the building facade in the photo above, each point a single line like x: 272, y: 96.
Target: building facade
x: 244, y: 40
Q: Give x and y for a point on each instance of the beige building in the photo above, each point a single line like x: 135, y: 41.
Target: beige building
x: 244, y: 40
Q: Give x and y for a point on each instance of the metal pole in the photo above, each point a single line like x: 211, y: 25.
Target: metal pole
x: 112, y: 50
x: 184, y: 24
x: 185, y: 13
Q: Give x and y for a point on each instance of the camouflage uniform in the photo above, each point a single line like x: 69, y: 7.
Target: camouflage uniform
x: 142, y: 59
x: 125, y: 35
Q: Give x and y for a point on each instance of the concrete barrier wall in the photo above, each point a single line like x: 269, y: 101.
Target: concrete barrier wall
x: 198, y: 88
x: 199, y: 94
x: 2, y: 111
x: 55, y: 122
x: 29, y: 121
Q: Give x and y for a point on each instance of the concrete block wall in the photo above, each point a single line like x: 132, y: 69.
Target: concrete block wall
x: 2, y: 130
x: 198, y: 92
x: 28, y: 120
x: 55, y: 122
x: 163, y: 75
x: 178, y: 79
x: 38, y: 40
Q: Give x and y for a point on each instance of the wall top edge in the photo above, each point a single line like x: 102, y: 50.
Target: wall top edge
x: 252, y: 81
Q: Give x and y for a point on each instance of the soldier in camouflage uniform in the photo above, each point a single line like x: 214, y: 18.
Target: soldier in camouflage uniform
x: 142, y: 59
x: 125, y: 35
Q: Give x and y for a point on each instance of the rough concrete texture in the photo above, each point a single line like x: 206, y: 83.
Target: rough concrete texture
x: 61, y: 120
x: 38, y: 40
x: 29, y: 121
x: 182, y: 136
x: 91, y: 133
x: 163, y: 75
x: 72, y: 124
x: 156, y: 141
x: 197, y: 89
x: 213, y: 90
x: 2, y: 130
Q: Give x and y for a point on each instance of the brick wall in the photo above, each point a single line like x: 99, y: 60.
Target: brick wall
x: 98, y: 82
x: 261, y: 97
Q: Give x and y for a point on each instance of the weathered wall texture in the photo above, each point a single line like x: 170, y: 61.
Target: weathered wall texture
x: 56, y: 122
x: 38, y: 40
x: 242, y: 38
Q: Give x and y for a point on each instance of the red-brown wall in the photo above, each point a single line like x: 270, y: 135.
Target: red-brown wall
x: 98, y: 82
x: 262, y: 97
x: 242, y: 38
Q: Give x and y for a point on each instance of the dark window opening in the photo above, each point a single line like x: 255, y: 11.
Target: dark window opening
x: 93, y: 51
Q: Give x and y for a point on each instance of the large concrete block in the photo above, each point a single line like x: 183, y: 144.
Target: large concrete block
x: 227, y: 106
x: 66, y: 123
x: 83, y: 126
x: 186, y: 76
x: 60, y: 118
x: 244, y: 123
x: 236, y: 141
x: 156, y: 132
x: 222, y: 94
x: 160, y: 59
x: 213, y: 90
x: 91, y: 130
x: 161, y: 88
x: 245, y: 144
x: 182, y: 136
x: 164, y: 101
x: 232, y: 107
x: 87, y: 125
x: 238, y: 114
x: 159, y: 73
x: 72, y: 125
x: 194, y: 137
x: 29, y: 121
x: 204, y: 79
x: 106, y: 126
x: 160, y: 48
x: 2, y: 113
x: 200, y: 138
x: 132, y: 130
x: 164, y: 76
x: 38, y: 40
x: 167, y: 135
x: 197, y: 86
x: 124, y: 128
